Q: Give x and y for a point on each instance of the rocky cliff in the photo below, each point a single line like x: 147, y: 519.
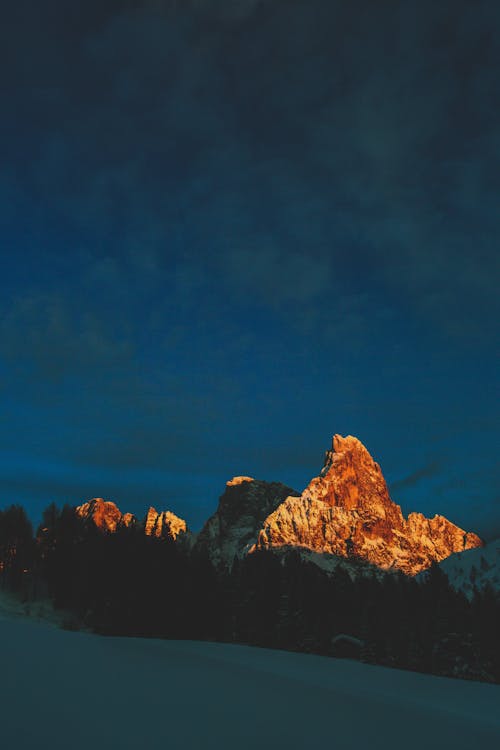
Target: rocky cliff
x: 104, y: 514
x: 347, y: 511
x: 234, y: 527
x: 164, y: 524
x: 108, y: 517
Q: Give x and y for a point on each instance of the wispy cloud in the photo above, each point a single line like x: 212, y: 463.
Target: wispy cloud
x: 429, y: 471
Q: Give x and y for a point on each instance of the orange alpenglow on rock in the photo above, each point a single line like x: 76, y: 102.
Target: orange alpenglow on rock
x: 235, y: 481
x: 347, y: 511
x: 108, y: 517
x: 163, y: 524
x: 128, y: 519
x: 104, y: 513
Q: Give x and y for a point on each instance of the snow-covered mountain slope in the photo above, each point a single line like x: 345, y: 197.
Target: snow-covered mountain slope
x: 333, y: 564
x: 62, y: 689
x: 474, y: 568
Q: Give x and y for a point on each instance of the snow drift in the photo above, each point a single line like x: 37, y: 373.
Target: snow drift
x: 61, y: 689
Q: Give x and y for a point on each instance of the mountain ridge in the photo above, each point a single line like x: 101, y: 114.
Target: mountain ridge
x: 345, y: 511
x: 107, y: 517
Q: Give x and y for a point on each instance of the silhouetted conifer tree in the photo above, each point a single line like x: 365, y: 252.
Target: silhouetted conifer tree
x: 16, y: 549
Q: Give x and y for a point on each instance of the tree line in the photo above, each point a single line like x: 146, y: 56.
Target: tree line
x: 127, y: 583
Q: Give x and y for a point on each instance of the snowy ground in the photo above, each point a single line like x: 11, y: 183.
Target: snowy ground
x: 13, y: 608
x: 60, y: 689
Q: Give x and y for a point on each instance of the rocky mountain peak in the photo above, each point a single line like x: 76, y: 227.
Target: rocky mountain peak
x: 108, y: 517
x: 349, y: 444
x: 104, y: 514
x: 351, y: 479
x: 163, y: 524
x: 233, y: 528
x: 347, y: 511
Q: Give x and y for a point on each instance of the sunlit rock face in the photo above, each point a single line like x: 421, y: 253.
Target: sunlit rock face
x: 234, y: 527
x: 105, y: 514
x: 347, y: 511
x: 128, y: 519
x: 163, y: 524
x: 108, y: 517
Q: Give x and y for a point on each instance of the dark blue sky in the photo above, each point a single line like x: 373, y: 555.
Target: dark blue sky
x: 231, y: 228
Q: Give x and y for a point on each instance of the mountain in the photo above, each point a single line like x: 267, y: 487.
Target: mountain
x: 108, y: 517
x: 311, y: 572
x: 474, y: 569
x: 164, y: 524
x: 104, y: 514
x: 234, y: 527
x: 347, y: 511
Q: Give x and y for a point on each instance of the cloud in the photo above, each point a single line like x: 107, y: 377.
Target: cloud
x: 41, y: 337
x: 229, y: 221
x: 366, y: 150
x: 429, y: 471
x: 292, y: 144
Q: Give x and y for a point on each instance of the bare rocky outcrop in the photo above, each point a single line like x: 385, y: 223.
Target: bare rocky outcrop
x: 347, y: 511
x: 163, y: 524
x: 233, y: 529
x: 108, y: 518
x: 104, y: 514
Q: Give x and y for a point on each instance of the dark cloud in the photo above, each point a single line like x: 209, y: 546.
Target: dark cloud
x: 432, y: 469
x: 233, y: 228
x: 290, y: 143
x: 42, y: 336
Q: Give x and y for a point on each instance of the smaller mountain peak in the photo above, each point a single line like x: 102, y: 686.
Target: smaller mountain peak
x: 104, y: 513
x: 128, y: 519
x: 163, y: 524
x: 239, y: 480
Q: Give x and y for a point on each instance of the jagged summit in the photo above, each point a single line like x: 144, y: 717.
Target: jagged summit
x: 108, y: 517
x: 104, y: 514
x: 243, y: 507
x: 341, y: 444
x: 347, y: 446
x: 350, y: 478
x: 347, y: 511
x: 163, y: 524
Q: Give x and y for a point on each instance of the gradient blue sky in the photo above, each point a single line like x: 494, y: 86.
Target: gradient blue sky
x: 231, y: 228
